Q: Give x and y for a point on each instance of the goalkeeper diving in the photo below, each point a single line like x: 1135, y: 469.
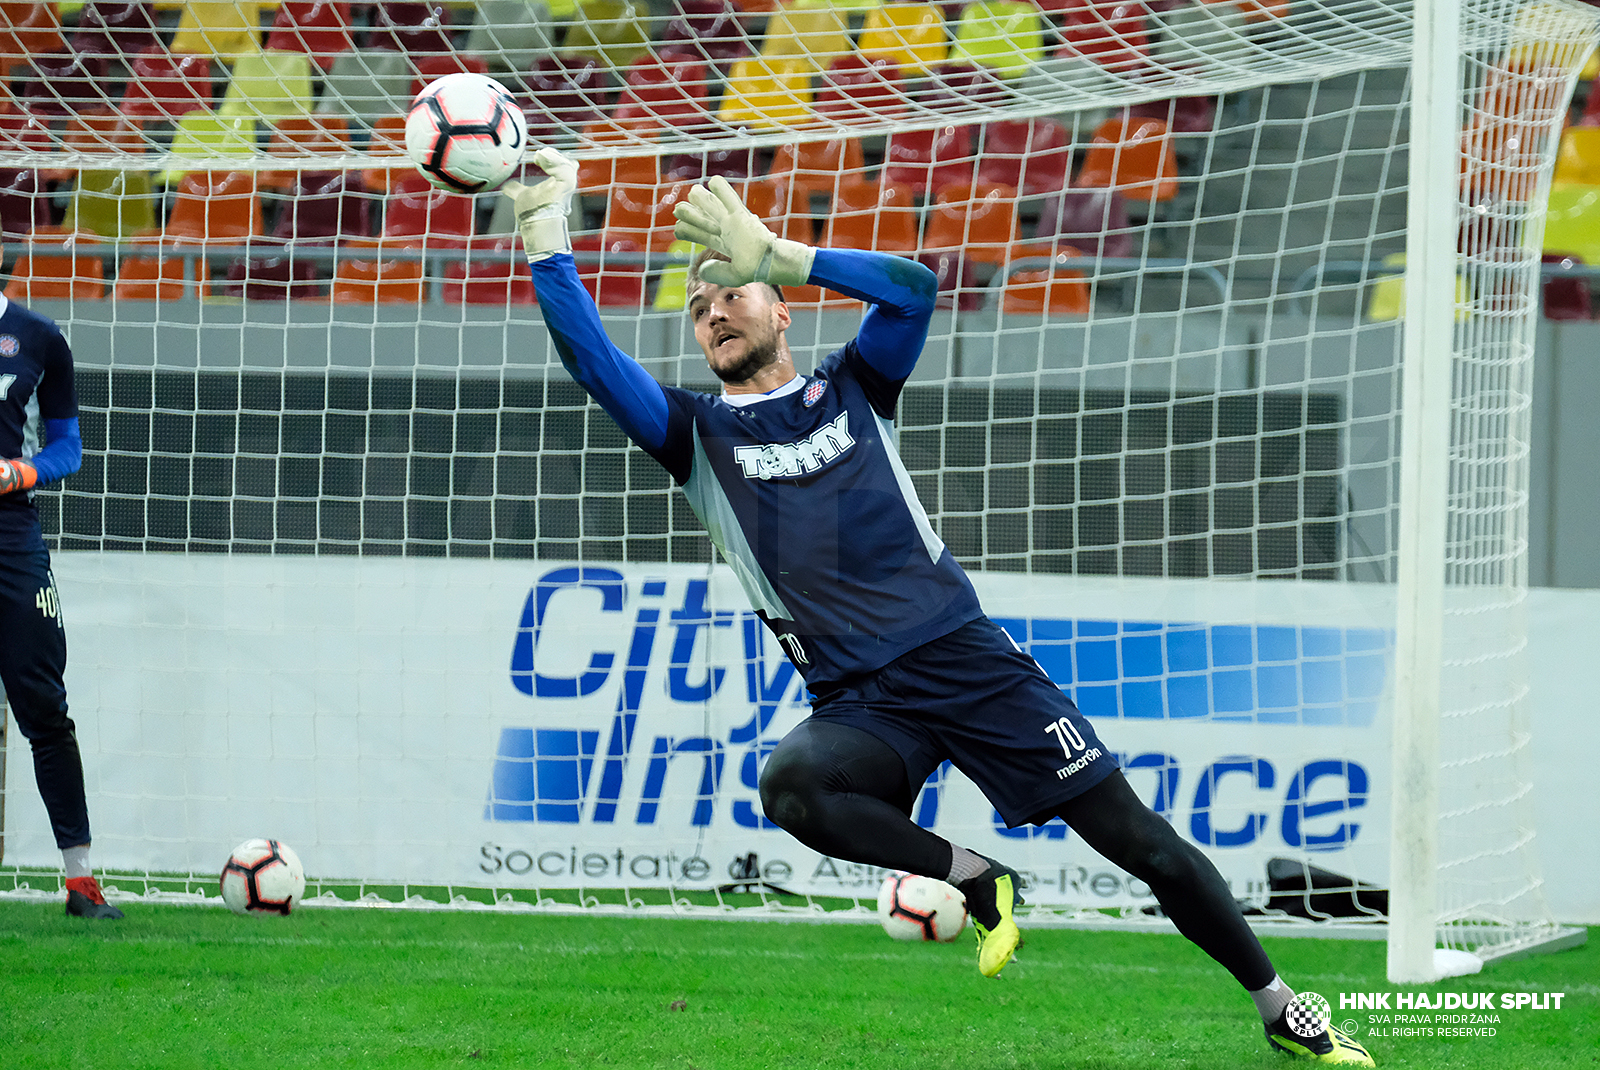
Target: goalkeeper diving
x: 797, y: 480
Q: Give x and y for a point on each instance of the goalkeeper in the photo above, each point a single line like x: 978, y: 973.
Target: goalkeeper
x: 36, y: 384
x: 797, y: 480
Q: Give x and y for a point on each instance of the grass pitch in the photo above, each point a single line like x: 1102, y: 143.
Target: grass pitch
x: 178, y: 987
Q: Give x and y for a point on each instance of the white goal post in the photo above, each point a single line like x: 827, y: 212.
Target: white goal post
x: 1225, y: 407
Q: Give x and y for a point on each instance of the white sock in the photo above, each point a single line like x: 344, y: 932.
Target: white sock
x: 964, y: 865
x: 77, y: 861
x: 1271, y: 1000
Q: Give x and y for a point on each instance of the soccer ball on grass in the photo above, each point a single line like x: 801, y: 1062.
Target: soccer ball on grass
x: 263, y: 877
x: 911, y: 907
x: 466, y: 133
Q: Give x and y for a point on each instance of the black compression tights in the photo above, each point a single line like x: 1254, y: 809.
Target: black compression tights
x: 844, y: 793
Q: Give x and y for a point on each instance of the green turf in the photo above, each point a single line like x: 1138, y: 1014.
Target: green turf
x: 176, y: 987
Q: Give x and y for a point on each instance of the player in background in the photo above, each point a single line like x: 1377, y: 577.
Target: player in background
x: 798, y: 483
x: 36, y: 385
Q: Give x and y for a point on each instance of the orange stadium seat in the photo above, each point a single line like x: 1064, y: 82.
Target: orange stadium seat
x: 1051, y: 291
x: 1134, y: 157
x: 818, y: 166
x: 64, y: 276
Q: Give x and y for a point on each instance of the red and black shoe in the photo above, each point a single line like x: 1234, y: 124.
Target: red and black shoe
x: 85, y: 900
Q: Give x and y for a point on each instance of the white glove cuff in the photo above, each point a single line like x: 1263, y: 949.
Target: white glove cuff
x: 544, y: 233
x: 790, y: 263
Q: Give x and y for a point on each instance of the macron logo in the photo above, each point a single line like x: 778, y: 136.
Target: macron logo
x: 785, y: 460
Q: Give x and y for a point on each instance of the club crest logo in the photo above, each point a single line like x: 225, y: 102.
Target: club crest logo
x: 813, y: 391
x: 1308, y: 1014
x: 9, y: 346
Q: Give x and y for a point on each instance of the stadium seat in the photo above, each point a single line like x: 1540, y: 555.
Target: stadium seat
x: 112, y: 204
x: 302, y: 137
x: 816, y: 31
x: 268, y: 85
x: 1578, y: 159
x: 1183, y: 115
x: 432, y: 68
x: 511, y: 34
x: 671, y: 92
x: 596, y: 174
x: 872, y: 215
x: 967, y: 227
x: 485, y: 282
x: 735, y: 165
x: 911, y: 34
x: 565, y: 94
x: 27, y: 30
x: 22, y: 209
x: 708, y: 30
x: 960, y: 85
x: 861, y: 88
x: 1049, y: 291
x: 1006, y: 36
x: 368, y: 84
x: 1108, y: 32
x: 410, y: 27
x: 1572, y: 225
x: 1134, y: 157
x: 612, y: 31
x: 1095, y: 220
x: 52, y: 276
x: 64, y: 83
x: 165, y: 86
x: 220, y: 29
x: 1388, y: 300
x: 323, y: 207
x: 1033, y: 155
x: 387, y: 138
x: 416, y: 216
x: 156, y: 276
x: 929, y: 160
x: 202, y: 133
x: 116, y: 29
x: 318, y: 28
x: 818, y: 166
x: 1565, y: 298
x: 766, y: 94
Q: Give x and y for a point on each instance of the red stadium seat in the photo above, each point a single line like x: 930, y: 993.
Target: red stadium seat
x: 857, y: 86
x: 416, y: 216
x: 316, y: 27
x: 432, y: 68
x: 1108, y: 32
x: 65, y: 82
x: 670, y: 92
x: 928, y: 160
x: 164, y: 86
x: 22, y: 207
x: 1033, y: 155
x: 490, y: 283
x: 565, y: 94
x: 116, y: 29
x: 1095, y: 220
x: 708, y: 31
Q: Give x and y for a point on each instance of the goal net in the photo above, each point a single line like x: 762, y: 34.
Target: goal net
x: 351, y: 562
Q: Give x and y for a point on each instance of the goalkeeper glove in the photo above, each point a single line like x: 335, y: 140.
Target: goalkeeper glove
x: 542, y: 208
x: 17, y: 474
x: 715, y: 217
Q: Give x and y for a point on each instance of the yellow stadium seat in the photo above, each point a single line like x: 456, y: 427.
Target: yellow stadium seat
x: 204, y: 133
x: 609, y: 30
x: 767, y: 94
x: 1573, y: 225
x: 113, y: 204
x: 223, y: 30
x: 1578, y: 161
x: 814, y: 30
x: 1005, y: 35
x: 910, y: 34
x: 268, y: 85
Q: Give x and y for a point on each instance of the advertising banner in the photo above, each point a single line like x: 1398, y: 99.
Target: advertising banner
x: 556, y: 725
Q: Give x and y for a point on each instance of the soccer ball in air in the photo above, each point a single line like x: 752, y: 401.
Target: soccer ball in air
x: 466, y: 133
x: 263, y: 877
x: 920, y: 908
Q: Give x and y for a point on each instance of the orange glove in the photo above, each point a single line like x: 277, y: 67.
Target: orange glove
x: 17, y: 474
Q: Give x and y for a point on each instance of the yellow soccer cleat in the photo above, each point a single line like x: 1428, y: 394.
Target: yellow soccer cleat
x: 991, y: 898
x: 1327, y: 1046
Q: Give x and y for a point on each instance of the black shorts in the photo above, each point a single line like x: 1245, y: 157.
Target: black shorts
x: 974, y: 698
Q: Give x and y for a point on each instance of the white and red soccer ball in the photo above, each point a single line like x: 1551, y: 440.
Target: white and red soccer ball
x: 920, y: 908
x: 263, y: 877
x: 466, y: 133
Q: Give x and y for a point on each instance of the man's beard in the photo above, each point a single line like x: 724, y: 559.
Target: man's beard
x: 757, y: 355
